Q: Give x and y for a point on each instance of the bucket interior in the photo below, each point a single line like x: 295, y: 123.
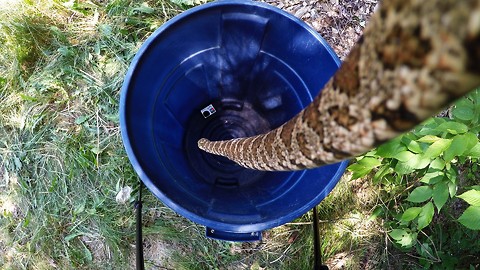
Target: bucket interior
x: 257, y: 66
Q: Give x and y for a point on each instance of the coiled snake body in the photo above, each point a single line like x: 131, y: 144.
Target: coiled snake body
x: 414, y: 58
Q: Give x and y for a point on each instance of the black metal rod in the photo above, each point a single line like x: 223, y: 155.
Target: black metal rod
x: 317, y: 245
x: 139, y: 240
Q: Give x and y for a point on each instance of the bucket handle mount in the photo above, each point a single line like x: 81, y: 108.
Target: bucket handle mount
x: 233, y: 236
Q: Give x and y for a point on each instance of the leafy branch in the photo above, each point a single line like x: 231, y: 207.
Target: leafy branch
x: 425, y: 163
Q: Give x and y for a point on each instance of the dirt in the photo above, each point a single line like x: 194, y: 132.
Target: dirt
x: 156, y: 253
x: 98, y: 248
x: 339, y: 22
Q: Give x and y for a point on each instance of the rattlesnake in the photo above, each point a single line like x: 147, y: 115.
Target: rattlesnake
x: 414, y: 58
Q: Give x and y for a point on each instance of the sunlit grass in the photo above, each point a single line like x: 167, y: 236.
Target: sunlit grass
x: 61, y: 157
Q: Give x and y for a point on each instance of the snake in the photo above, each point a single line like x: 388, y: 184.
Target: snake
x: 414, y: 58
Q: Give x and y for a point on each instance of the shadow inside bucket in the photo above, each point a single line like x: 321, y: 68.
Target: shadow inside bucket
x: 232, y: 119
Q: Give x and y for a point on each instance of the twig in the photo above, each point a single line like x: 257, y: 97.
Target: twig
x: 98, y: 139
x: 322, y: 221
x: 386, y: 246
x: 282, y: 255
x: 299, y: 223
x: 436, y: 258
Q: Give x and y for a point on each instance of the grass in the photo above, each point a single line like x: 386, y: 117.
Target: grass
x: 61, y: 156
x: 62, y: 162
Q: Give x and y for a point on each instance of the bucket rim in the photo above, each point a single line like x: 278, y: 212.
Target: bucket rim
x: 134, y: 161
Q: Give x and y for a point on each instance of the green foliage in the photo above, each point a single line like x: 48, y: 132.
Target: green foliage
x: 62, y: 161
x: 471, y: 217
x: 424, y: 166
x: 62, y: 64
x: 189, y: 3
x: 406, y: 238
x: 420, y: 194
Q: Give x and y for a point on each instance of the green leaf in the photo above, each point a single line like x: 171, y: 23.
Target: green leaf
x: 474, y: 152
x: 403, y: 168
x: 471, y: 140
x: 389, y: 149
x: 27, y: 97
x: 425, y: 216
x: 411, y: 213
x: 440, y: 195
x: 402, y: 237
x: 369, y: 162
x: 72, y: 236
x: 424, y: 250
x: 451, y: 173
x: 475, y: 187
x: 429, y: 127
x: 475, y: 95
x: 27, y: 219
x: 453, y: 127
x: 427, y: 131
x: 377, y: 212
x: 381, y: 173
x: 452, y: 189
x: 88, y: 254
x: 463, y: 113
x: 437, y: 148
x: 397, y: 234
x: 420, y: 194
x: 414, y: 147
x: 460, y: 144
x: 463, y: 109
x: 408, y: 240
x: 457, y: 147
x: 418, y: 161
x: 358, y: 170
x: 437, y: 164
x: 472, y: 197
x: 429, y: 139
x: 411, y: 144
x: 438, y: 121
x: 415, y: 162
x: 403, y: 156
x: 471, y: 218
x: 144, y: 9
x: 433, y: 177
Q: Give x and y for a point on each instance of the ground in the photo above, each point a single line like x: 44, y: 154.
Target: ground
x: 62, y: 162
x: 339, y: 22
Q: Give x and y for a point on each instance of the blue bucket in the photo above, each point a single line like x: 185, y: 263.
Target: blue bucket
x: 223, y: 70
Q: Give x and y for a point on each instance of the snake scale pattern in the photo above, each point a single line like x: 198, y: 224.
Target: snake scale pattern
x: 415, y: 57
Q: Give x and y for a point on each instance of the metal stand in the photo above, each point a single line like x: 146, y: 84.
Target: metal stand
x: 317, y: 246
x: 139, y: 241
